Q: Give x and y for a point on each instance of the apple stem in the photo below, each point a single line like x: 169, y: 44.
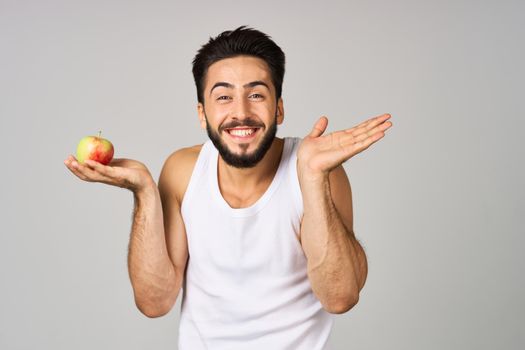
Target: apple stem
x: 100, y: 132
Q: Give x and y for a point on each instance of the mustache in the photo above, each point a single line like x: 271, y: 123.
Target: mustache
x: 250, y: 123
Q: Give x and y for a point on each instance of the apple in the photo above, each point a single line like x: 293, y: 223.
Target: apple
x: 95, y: 148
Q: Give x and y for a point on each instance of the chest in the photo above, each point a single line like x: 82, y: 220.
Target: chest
x: 238, y: 197
x: 223, y: 246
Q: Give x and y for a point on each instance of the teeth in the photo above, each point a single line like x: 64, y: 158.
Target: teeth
x: 242, y: 132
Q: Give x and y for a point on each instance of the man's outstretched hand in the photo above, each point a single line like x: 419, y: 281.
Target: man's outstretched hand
x: 121, y: 172
x: 318, y: 154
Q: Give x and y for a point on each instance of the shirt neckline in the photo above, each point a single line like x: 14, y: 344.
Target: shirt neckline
x: 263, y: 200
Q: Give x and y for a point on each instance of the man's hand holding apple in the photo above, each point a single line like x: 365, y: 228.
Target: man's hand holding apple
x: 121, y: 172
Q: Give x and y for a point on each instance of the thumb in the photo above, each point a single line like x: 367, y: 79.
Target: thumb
x: 319, y: 127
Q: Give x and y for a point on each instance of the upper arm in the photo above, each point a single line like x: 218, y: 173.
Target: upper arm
x: 173, y: 181
x: 341, y: 193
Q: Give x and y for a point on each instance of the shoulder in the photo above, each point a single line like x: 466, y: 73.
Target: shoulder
x: 176, y: 172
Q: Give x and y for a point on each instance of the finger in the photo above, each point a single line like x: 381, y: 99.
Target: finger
x: 69, y: 158
x: 319, y: 127
x: 88, y: 173
x: 372, y: 122
x: 104, y: 173
x: 350, y: 150
x: 382, y: 119
x: 364, y: 144
x: 370, y: 129
x: 99, y: 168
x: 68, y: 161
x: 351, y: 145
x: 377, y: 120
x: 73, y: 166
x: 370, y: 134
x: 109, y: 174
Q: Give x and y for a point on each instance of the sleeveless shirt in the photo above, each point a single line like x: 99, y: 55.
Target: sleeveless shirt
x: 246, y: 284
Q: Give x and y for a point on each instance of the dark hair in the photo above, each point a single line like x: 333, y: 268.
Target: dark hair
x: 239, y: 42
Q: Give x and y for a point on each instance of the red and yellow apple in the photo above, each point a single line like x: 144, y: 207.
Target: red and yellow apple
x: 95, y: 148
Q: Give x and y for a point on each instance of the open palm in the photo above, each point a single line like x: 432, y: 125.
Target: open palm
x: 318, y: 154
x: 121, y: 172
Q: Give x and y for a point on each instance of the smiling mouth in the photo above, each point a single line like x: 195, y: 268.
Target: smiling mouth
x: 242, y: 133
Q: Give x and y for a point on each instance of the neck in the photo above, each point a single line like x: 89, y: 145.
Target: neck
x: 248, y: 177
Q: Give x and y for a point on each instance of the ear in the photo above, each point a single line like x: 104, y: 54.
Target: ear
x: 280, y: 111
x: 202, y: 116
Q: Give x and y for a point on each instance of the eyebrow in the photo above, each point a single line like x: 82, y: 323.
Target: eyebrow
x: 231, y: 86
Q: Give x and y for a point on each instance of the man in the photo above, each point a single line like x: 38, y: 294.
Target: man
x: 256, y: 230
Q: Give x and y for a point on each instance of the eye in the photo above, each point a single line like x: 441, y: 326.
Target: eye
x: 223, y: 98
x: 256, y: 96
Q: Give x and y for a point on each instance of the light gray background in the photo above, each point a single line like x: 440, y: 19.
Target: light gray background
x: 438, y: 202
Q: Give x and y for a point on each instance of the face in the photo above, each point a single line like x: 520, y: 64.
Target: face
x: 240, y: 111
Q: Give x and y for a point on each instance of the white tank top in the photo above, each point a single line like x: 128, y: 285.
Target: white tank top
x: 246, y: 285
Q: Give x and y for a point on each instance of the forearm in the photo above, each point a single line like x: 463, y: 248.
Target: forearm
x: 151, y: 271
x: 336, y: 261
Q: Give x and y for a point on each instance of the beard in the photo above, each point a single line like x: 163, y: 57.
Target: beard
x: 245, y: 160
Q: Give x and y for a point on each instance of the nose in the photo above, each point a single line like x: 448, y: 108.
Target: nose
x: 241, y: 109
